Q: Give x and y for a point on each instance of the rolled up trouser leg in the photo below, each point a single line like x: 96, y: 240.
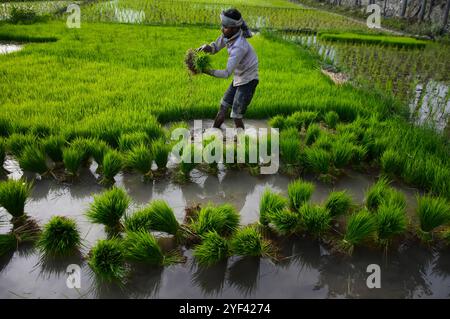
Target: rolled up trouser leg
x: 220, y: 117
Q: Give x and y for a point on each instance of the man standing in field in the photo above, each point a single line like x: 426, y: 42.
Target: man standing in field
x: 242, y: 61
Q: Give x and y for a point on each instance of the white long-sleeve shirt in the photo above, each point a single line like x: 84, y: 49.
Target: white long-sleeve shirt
x: 242, y: 59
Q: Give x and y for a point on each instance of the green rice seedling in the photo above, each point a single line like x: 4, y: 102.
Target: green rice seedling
x: 341, y: 153
x: 331, y: 119
x: 112, y: 164
x: 392, y: 162
x: 433, y: 212
x: 318, y: 160
x: 299, y: 192
x: 143, y: 247
x: 98, y: 149
x: 53, y: 146
x: 222, y: 219
x: 138, y: 220
x: 33, y: 159
x: 129, y: 140
x: 360, y: 226
x: 152, y: 128
x: 325, y: 141
x: 312, y: 133
x: 278, y: 121
x: 109, y: 207
x: 359, y: 154
x: 13, y: 196
x: 270, y: 202
x: 290, y: 150
x: 140, y: 159
x: 60, y: 237
x: 248, y: 241
x: 377, y: 193
x: 301, y: 119
x: 160, y: 151
x: 17, y: 142
x: 8, y: 243
x: 84, y: 147
x: 213, y: 249
x: 197, y: 62
x: 162, y: 218
x: 187, y: 163
x: 107, y: 260
x: 284, y: 221
x: 390, y: 221
x: 72, y: 159
x: 338, y: 203
x: 315, y: 219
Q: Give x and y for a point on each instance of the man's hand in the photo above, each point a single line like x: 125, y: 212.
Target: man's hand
x: 205, y: 48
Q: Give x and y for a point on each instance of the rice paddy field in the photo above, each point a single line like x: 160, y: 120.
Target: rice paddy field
x: 89, y: 177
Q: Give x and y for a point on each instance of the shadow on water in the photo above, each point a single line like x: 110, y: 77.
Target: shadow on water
x: 210, y: 280
x: 244, y: 274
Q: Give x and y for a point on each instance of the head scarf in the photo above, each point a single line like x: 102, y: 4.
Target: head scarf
x: 230, y: 23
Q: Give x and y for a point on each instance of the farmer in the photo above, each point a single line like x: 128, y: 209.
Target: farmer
x: 242, y: 61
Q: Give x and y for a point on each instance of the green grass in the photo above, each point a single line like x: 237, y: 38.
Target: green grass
x: 299, y: 192
x: 360, y: 227
x: 107, y: 260
x: 331, y: 119
x: 60, y: 237
x: 109, y: 207
x: 433, y: 212
x: 248, y: 241
x: 315, y: 219
x: 160, y: 151
x: 143, y: 247
x: 270, y: 202
x: 13, y: 196
x: 390, y: 221
x: 338, y: 203
x: 33, y: 159
x: 222, y: 219
x: 72, y: 159
x: 140, y: 159
x: 213, y: 249
x: 53, y: 146
x: 111, y: 166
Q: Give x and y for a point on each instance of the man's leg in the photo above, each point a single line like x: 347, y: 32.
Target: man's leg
x: 225, y: 104
x: 242, y: 99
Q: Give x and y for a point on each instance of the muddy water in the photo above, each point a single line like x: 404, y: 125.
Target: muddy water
x: 408, y: 271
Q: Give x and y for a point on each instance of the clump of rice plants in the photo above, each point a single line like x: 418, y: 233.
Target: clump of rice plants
x: 315, y: 219
x: 33, y: 159
x: 60, y: 237
x: 161, y: 217
x: 301, y: 119
x: 338, y: 203
x: 341, y: 153
x: 84, y: 147
x: 138, y: 220
x: 392, y: 162
x: 278, y: 122
x: 248, y: 241
x: 111, y: 166
x: 318, y: 160
x: 433, y: 212
x: 130, y: 140
x: 72, y: 159
x: 109, y: 207
x: 331, y: 119
x: 360, y: 227
x: 140, y: 159
x: 107, y: 260
x: 141, y: 246
x: 312, y: 133
x: 197, y: 62
x: 187, y: 162
x: 284, y: 221
x: 270, y: 202
x: 160, y: 151
x: 17, y: 142
x: 223, y: 219
x: 290, y: 150
x: 381, y: 192
x: 98, y: 149
x: 53, y: 146
x: 13, y: 196
x: 213, y: 249
x: 390, y: 221
x: 299, y: 192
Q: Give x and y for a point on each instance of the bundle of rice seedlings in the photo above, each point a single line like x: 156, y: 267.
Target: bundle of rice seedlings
x: 390, y: 221
x: 17, y: 142
x: 359, y: 154
x: 325, y: 141
x: 270, y: 202
x: 341, y: 153
x: 433, y: 212
x: 143, y: 247
x: 299, y: 192
x: 213, y: 249
x: 8, y: 243
x: 284, y: 221
x: 197, y: 62
x: 318, y: 160
x: 140, y: 159
x: 381, y: 192
x: 315, y: 219
x: 107, y: 260
x: 187, y: 163
x: 222, y: 219
x: 130, y: 140
x: 248, y: 241
x: 109, y: 207
x: 392, y: 162
x: 53, y: 146
x: 72, y: 159
x: 161, y: 217
x: 98, y: 149
x: 360, y: 226
x: 111, y: 166
x: 32, y: 159
x: 60, y: 237
x: 331, y: 119
x: 160, y: 151
x: 312, y: 134
x: 13, y: 196
x: 84, y: 147
x: 338, y: 203
x: 290, y: 146
x: 301, y: 119
x: 138, y: 220
x: 278, y: 122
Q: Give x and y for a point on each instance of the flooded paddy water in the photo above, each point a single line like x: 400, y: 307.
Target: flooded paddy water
x: 311, y: 271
